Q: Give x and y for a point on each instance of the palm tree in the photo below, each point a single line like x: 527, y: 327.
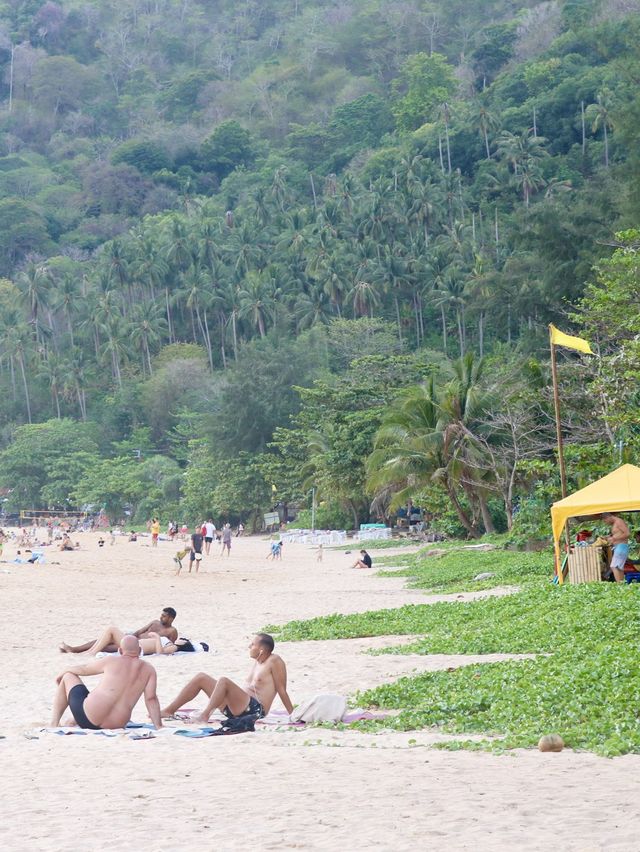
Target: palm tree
x: 437, y: 264
x: 600, y: 114
x: 409, y: 451
x: 65, y: 299
x: 363, y: 297
x: 524, y: 152
x: 255, y: 301
x: 53, y: 370
x: 312, y: 308
x: 485, y: 121
x: 16, y: 345
x: 145, y: 329
x: 196, y: 294
x: 74, y: 382
x: 394, y: 272
x: 445, y: 114
x: 462, y: 401
x: 34, y: 287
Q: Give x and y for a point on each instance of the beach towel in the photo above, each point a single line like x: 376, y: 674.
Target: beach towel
x: 324, y: 707
x: 132, y: 731
x: 199, y: 648
x: 280, y: 718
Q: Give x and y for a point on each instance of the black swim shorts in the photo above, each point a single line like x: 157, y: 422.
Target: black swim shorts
x: 77, y: 695
x: 254, y: 708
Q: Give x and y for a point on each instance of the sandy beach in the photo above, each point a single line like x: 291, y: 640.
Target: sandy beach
x: 275, y: 789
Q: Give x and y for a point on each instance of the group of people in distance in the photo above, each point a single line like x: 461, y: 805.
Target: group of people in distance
x: 126, y: 677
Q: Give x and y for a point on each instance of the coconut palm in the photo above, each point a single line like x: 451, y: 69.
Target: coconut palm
x: 255, y: 301
x: 409, y: 451
x: 524, y: 152
x: 146, y: 327
x: 364, y: 297
x: 16, y: 342
x: 600, y: 116
x: 34, y: 286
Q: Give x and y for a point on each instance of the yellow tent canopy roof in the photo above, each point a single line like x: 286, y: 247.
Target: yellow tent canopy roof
x: 618, y: 491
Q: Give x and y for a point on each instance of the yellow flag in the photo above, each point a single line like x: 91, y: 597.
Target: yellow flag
x: 559, y: 338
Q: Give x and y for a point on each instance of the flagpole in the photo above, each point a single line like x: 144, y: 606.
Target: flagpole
x: 563, y: 474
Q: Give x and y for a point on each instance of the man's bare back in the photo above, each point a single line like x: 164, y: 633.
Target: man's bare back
x: 124, y: 679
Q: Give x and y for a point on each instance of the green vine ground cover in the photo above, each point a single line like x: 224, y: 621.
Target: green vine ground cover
x: 585, y: 685
x: 454, y: 571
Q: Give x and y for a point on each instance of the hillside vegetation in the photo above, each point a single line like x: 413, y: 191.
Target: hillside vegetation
x: 236, y: 237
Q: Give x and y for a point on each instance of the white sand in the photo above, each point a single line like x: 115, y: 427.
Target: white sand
x: 302, y: 789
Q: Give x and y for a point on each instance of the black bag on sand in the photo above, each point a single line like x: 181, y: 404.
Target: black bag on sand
x: 240, y: 724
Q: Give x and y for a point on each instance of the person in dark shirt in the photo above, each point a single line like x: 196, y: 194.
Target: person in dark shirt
x: 195, y: 554
x: 364, y: 561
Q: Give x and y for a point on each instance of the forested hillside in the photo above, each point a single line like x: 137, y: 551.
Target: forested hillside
x: 247, y: 244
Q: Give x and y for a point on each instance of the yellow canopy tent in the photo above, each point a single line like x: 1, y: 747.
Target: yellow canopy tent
x: 618, y: 491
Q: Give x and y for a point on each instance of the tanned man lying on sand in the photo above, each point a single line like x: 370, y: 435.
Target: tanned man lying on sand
x: 267, y: 678
x: 125, y: 678
x: 163, y: 626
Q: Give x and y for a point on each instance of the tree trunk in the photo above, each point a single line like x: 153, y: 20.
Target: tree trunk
x: 462, y: 515
x: 169, y: 323
x: 13, y: 378
x: 487, y: 520
x: 235, y: 335
x: 395, y: 299
x: 26, y: 389
x: 444, y: 329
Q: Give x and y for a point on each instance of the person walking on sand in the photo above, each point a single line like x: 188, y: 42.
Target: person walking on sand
x: 124, y: 679
x: 267, y: 678
x: 226, y: 539
x: 619, y: 541
x: 209, y: 535
x: 155, y: 532
x: 163, y: 626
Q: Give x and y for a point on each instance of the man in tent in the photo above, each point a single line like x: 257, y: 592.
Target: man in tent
x: 619, y: 541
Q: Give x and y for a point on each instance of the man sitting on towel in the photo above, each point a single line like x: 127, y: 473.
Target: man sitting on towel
x: 125, y: 678
x: 163, y: 626
x: 267, y: 678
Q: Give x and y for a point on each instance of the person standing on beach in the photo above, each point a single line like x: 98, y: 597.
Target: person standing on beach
x: 125, y: 679
x: 195, y: 554
x: 226, y: 539
x: 209, y: 535
x: 155, y: 532
x: 619, y: 541
x: 267, y: 678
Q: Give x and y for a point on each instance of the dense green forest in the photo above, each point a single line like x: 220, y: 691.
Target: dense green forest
x: 253, y: 248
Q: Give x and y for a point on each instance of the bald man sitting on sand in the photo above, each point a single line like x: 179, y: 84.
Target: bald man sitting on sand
x: 125, y: 678
x: 267, y: 678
